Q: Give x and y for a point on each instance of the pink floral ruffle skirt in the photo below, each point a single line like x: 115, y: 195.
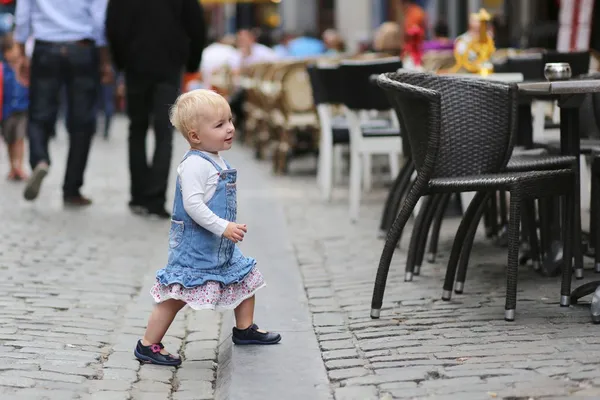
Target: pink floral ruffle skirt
x: 212, y: 295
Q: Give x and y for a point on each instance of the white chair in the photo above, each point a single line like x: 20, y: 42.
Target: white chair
x: 359, y: 95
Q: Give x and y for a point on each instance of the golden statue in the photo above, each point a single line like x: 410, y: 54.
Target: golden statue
x: 472, y: 50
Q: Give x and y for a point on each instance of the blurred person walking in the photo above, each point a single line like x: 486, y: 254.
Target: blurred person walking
x: 152, y: 41
x: 69, y: 52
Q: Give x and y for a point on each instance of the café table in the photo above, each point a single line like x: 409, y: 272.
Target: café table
x: 569, y: 94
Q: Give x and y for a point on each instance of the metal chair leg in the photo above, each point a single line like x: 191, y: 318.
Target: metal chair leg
x: 465, y: 253
x: 390, y: 246
x: 512, y: 270
x: 419, y: 226
x: 395, y: 195
x: 437, y: 201
x: 568, y: 225
x: 437, y: 226
x: 480, y: 197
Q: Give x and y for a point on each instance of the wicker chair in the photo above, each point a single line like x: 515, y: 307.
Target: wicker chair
x: 461, y: 135
x: 433, y: 211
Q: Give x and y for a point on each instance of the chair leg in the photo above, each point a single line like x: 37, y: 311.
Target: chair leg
x: 437, y: 226
x: 545, y: 212
x: 395, y: 196
x: 418, y: 227
x: 326, y: 170
x: 495, y: 228
x: 595, y: 217
x: 367, y: 172
x: 577, y: 251
x: 435, y: 205
x: 394, y: 164
x: 503, y: 208
x: 568, y: 225
x: 465, y: 252
x: 480, y: 197
x: 338, y: 164
x: 512, y: 269
x: 355, y: 183
x: 388, y: 250
x: 532, y: 236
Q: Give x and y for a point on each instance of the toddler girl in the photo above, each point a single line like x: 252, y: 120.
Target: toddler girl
x: 205, y: 269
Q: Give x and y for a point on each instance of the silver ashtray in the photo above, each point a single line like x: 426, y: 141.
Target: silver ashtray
x: 557, y: 71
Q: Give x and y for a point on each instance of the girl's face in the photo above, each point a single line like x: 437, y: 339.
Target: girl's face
x: 215, y: 132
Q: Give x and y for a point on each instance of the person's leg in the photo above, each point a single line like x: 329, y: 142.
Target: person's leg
x: 244, y: 313
x: 160, y: 320
x: 165, y: 94
x: 18, y: 155
x: 45, y: 84
x: 108, y: 101
x: 150, y: 349
x: 19, y: 145
x: 81, y: 81
x: 246, y: 331
x: 138, y: 105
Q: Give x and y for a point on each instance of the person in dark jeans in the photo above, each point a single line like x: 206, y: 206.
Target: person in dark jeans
x: 153, y: 41
x: 69, y: 52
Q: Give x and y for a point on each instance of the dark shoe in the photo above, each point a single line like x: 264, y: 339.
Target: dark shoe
x: 151, y: 355
x: 252, y: 335
x: 32, y: 189
x: 137, y: 208
x: 76, y: 201
x: 158, y: 212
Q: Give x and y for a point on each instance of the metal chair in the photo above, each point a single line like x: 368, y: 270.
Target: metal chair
x: 461, y: 135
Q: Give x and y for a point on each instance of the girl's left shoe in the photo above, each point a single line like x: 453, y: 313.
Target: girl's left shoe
x: 152, y: 355
x: 252, y: 335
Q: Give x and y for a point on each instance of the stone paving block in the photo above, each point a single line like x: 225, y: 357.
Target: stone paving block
x: 29, y: 394
x: 155, y: 373
x: 200, y: 355
x: 340, y: 354
x: 206, y: 374
x: 69, y: 370
x: 16, y: 381
x: 46, y: 376
x: 345, y: 363
x: 336, y: 345
x: 139, y: 395
x: 152, y: 386
x: 110, y: 395
x: 193, y: 395
x: 356, y: 393
x: 126, y: 375
x: 202, y: 388
x: 339, y: 374
x: 109, y: 385
x: 124, y: 360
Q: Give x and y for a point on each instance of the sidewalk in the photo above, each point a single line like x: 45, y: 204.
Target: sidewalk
x: 76, y: 299
x: 75, y: 289
x: 423, y: 347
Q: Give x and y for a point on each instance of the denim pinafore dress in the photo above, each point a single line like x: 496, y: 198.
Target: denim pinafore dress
x: 197, y: 255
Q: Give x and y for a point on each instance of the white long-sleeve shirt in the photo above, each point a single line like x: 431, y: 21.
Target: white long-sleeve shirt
x: 199, y: 179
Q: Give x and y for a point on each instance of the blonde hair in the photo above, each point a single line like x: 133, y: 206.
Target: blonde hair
x: 388, y: 37
x: 190, y: 107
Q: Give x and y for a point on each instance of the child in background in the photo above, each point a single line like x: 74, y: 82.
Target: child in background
x: 15, y: 103
x: 205, y: 268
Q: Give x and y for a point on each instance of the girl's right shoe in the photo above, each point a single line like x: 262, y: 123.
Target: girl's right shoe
x: 252, y: 335
x: 152, y: 355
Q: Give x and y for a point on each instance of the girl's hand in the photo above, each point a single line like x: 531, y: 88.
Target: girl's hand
x: 235, y: 232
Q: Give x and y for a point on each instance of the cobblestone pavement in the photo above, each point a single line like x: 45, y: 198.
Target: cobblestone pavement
x: 423, y: 347
x: 75, y: 292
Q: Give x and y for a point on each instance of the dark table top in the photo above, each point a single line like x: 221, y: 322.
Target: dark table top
x: 576, y: 86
